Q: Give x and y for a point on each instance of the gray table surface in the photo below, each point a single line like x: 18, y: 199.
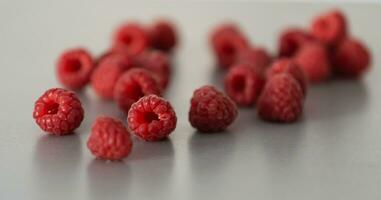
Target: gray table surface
x: 334, y: 152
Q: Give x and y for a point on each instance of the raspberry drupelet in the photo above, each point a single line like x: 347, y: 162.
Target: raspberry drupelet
x: 329, y: 27
x: 163, y: 35
x: 152, y: 118
x: 257, y: 57
x: 74, y: 68
x: 130, y: 38
x: 109, y: 139
x: 291, y: 40
x: 58, y: 112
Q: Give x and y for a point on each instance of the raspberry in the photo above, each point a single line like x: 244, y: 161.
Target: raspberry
x: 257, y: 57
x: 223, y: 29
x: 314, y: 61
x: 74, y: 68
x: 130, y: 38
x: 109, y: 139
x: 243, y: 84
x: 152, y: 118
x: 286, y: 65
x: 132, y: 85
x: 58, y: 112
x: 163, y: 35
x: 281, y: 99
x: 107, y: 73
x: 211, y: 110
x: 291, y: 40
x: 351, y: 58
x: 329, y: 27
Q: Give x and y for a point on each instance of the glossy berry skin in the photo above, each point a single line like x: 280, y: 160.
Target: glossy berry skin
x: 257, y: 57
x: 313, y: 59
x: 243, y: 84
x: 163, y: 35
x: 329, y: 27
x: 74, y: 68
x: 130, y: 38
x: 287, y: 65
x: 211, y: 110
x: 281, y: 100
x: 152, y: 118
x: 351, y: 58
x: 291, y: 40
x: 109, y: 139
x: 108, y: 72
x: 133, y: 85
x: 58, y: 112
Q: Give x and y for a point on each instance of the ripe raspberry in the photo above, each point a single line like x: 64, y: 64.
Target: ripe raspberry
x: 211, y: 110
x: 109, y: 139
x: 152, y: 118
x: 291, y: 40
x: 243, y: 84
x: 351, y: 58
x: 223, y: 29
x: 287, y: 65
x: 132, y: 85
x: 74, y: 68
x: 329, y: 27
x: 281, y: 99
x: 131, y: 39
x: 58, y: 112
x: 314, y: 61
x: 107, y: 73
x: 257, y: 57
x: 163, y: 35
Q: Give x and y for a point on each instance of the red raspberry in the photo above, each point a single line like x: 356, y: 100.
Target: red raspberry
x: 163, y: 35
x: 133, y: 85
x: 281, y: 99
x: 291, y: 40
x: 74, y: 68
x: 243, y: 84
x: 223, y: 29
x: 257, y: 57
x: 130, y: 38
x: 351, y: 58
x: 287, y: 65
x: 314, y: 61
x: 329, y: 27
x: 211, y: 110
x: 107, y: 73
x: 58, y: 112
x: 152, y: 118
x: 109, y: 139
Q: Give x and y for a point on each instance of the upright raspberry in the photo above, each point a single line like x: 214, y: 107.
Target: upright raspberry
x: 330, y: 27
x: 225, y: 28
x: 152, y: 118
x: 109, y: 139
x: 130, y: 38
x: 291, y: 40
x: 257, y: 57
x: 58, y: 112
x: 281, y: 99
x: 163, y: 35
x: 211, y: 110
x: 74, y: 68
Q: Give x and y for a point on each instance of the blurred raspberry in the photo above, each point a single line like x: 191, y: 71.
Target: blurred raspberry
x: 291, y: 40
x: 130, y: 38
x: 329, y: 27
x: 256, y: 57
x: 222, y: 29
x: 163, y: 35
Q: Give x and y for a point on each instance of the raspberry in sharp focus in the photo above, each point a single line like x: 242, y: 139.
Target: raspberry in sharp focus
x: 163, y: 35
x: 257, y: 57
x: 281, y: 99
x: 132, y: 85
x: 291, y: 40
x: 107, y: 73
x: 74, y: 68
x: 58, y: 111
x: 313, y: 59
x: 243, y: 84
x: 131, y: 39
x: 330, y: 27
x: 152, y: 118
x: 211, y: 110
x: 287, y: 65
x: 109, y: 139
x: 351, y: 58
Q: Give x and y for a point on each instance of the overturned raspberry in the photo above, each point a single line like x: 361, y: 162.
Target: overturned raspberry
x: 58, y: 112
x: 211, y: 110
x: 163, y: 35
x: 312, y: 58
x: 74, y: 68
x: 109, y: 139
x: 281, y: 99
x: 152, y: 118
x: 107, y: 73
x: 351, y: 58
x: 291, y: 40
x: 329, y: 27
x: 131, y: 39
x: 223, y: 29
x: 243, y: 84
x: 256, y: 57
x: 133, y: 85
x: 287, y: 65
